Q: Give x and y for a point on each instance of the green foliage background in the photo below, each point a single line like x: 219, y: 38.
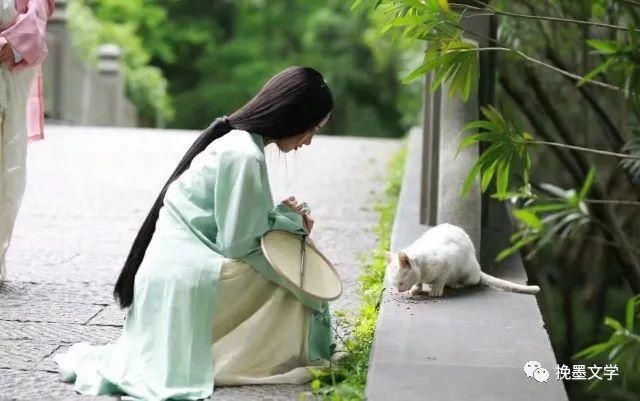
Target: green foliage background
x: 189, y: 62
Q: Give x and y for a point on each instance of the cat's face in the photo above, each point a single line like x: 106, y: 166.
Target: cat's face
x: 401, y: 275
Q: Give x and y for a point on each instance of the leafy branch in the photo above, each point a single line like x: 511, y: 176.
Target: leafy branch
x: 494, y: 11
x: 542, y: 223
x: 434, y: 23
x: 509, y: 147
x: 632, y: 166
x: 508, y: 150
x: 623, y: 346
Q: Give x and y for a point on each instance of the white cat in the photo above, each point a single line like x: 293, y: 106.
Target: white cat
x: 444, y: 255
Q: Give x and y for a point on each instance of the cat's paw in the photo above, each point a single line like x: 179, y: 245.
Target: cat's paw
x: 436, y: 291
x: 456, y: 285
x: 417, y: 290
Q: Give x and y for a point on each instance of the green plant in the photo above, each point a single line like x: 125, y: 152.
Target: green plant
x: 633, y: 148
x: 542, y: 220
x: 541, y: 223
x: 507, y: 146
x: 146, y: 85
x: 621, y: 56
x: 621, y: 349
x: 449, y: 55
x: 346, y: 380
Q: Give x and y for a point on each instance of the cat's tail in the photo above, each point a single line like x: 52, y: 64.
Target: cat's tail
x: 501, y: 284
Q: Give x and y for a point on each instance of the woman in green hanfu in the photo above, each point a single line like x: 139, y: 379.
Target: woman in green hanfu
x: 204, y: 305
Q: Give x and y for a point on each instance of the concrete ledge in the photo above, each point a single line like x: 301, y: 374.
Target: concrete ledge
x: 471, y: 344
x: 406, y: 227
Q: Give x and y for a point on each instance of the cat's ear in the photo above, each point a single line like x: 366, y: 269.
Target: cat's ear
x: 404, y: 260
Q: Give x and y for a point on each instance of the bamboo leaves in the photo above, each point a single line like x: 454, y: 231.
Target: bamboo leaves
x: 452, y: 59
x: 623, y: 346
x: 539, y: 223
x: 546, y: 222
x: 619, y: 57
x: 632, y: 165
x: 508, y: 147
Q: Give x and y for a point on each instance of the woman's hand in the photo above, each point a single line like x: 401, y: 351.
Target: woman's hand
x: 293, y: 204
x: 297, y: 207
x: 6, y: 54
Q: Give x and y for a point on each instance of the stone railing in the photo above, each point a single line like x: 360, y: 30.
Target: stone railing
x: 473, y: 343
x: 77, y: 93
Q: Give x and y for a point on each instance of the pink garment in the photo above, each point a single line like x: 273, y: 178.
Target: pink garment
x: 35, y: 110
x: 27, y: 36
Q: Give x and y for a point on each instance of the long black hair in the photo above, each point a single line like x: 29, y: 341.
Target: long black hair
x: 290, y: 103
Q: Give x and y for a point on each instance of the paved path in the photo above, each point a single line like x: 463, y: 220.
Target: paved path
x: 88, y: 191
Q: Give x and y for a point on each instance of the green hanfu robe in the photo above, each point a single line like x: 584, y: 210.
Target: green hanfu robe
x: 205, y: 293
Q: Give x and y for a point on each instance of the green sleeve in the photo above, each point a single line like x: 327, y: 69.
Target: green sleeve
x: 283, y: 218
x: 244, y: 209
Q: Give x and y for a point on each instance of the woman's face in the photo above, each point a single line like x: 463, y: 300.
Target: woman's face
x: 295, y: 142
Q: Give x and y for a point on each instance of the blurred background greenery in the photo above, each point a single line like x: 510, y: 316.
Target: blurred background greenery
x: 188, y: 62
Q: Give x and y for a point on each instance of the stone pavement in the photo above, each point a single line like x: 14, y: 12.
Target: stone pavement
x: 89, y: 189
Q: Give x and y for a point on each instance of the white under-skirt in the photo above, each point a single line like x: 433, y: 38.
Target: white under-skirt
x: 260, y: 336
x: 260, y: 330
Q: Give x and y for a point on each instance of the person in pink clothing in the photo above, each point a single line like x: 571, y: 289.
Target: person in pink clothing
x: 22, y: 50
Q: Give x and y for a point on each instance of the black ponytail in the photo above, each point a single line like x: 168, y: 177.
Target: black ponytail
x: 123, y: 291
x: 290, y: 103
